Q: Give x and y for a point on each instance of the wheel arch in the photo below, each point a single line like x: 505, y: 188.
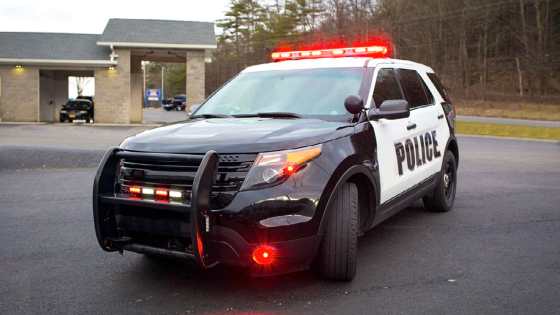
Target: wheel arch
x: 454, y: 148
x: 367, y: 187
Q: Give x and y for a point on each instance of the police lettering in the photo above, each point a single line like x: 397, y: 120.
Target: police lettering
x: 418, y: 151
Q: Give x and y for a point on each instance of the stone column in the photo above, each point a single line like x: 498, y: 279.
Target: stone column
x: 19, y: 94
x: 112, y: 91
x: 136, y: 87
x: 195, y: 77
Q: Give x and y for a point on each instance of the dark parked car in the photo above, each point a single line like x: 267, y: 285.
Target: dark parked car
x: 167, y: 104
x: 180, y: 101
x: 76, y: 110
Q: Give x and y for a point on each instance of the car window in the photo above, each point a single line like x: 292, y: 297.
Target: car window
x: 386, y: 87
x: 417, y: 93
x: 77, y: 105
x: 437, y: 83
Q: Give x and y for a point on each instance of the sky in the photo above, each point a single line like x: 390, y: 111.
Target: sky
x: 91, y: 17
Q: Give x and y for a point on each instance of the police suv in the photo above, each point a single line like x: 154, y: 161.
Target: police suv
x: 287, y: 163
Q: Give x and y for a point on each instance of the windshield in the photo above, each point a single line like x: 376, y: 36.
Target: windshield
x: 77, y: 105
x: 314, y: 93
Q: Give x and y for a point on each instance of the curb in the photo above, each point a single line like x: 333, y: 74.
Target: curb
x: 157, y: 124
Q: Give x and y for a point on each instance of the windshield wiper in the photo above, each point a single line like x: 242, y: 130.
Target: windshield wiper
x: 270, y: 115
x: 206, y: 116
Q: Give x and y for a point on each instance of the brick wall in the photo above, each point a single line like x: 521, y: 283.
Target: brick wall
x: 19, y: 98
x: 195, y: 78
x: 112, y: 91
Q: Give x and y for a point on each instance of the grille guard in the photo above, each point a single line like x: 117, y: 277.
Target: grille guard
x: 198, y: 213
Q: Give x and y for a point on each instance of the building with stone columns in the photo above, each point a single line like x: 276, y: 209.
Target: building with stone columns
x: 34, y: 67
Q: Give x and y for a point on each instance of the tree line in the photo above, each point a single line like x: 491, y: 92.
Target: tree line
x: 479, y: 48
x: 476, y: 46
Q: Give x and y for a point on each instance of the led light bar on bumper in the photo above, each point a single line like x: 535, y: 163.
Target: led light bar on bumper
x: 273, y: 168
x: 375, y: 51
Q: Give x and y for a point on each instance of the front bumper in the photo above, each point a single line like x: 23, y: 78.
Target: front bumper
x: 196, y: 232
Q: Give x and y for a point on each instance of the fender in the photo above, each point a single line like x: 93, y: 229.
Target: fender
x: 356, y: 169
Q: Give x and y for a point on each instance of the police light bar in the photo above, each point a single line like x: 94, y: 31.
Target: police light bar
x: 331, y: 53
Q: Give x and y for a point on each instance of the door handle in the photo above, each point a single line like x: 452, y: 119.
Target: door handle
x: 440, y: 116
x: 411, y: 126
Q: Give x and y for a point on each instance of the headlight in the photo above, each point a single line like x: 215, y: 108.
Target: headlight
x: 274, y: 168
x: 63, y: 112
x: 83, y: 112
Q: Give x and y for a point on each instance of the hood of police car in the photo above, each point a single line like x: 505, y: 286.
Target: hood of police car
x: 236, y: 135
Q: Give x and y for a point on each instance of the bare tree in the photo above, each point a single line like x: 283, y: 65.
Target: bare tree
x: 80, y: 84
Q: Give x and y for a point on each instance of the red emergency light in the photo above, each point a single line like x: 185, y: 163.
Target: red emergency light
x: 375, y: 51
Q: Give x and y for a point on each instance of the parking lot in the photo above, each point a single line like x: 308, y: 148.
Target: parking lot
x: 496, y: 252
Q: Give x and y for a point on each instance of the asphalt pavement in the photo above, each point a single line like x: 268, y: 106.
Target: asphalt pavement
x: 496, y: 252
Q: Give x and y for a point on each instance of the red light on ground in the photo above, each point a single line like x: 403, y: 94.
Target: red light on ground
x: 162, y: 193
x: 135, y: 190
x: 263, y: 255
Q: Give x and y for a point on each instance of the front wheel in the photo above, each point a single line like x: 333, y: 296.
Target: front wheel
x: 441, y: 199
x: 337, y: 256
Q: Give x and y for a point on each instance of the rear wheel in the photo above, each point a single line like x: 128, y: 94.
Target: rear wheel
x: 337, y: 256
x: 88, y: 119
x: 443, y: 196
x: 61, y: 120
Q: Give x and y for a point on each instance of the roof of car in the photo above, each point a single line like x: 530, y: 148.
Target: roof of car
x: 80, y: 100
x: 320, y: 63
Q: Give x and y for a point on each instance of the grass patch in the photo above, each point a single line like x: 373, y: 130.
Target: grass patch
x: 503, y: 130
x: 515, y: 110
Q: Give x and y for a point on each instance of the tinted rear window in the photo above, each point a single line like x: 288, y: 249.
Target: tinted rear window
x: 435, y: 80
x: 417, y: 93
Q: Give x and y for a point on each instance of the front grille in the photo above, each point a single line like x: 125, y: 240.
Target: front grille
x: 177, y: 172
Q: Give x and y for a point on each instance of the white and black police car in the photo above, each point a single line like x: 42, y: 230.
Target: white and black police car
x: 287, y: 163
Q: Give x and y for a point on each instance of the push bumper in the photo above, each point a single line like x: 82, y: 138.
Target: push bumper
x: 210, y: 242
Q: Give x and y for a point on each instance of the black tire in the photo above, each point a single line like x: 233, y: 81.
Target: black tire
x: 176, y: 108
x: 88, y: 120
x: 168, y: 109
x: 337, y: 255
x: 70, y: 120
x: 61, y: 120
x: 441, y: 199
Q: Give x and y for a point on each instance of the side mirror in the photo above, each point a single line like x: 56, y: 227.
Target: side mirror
x: 354, y: 104
x: 392, y: 109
